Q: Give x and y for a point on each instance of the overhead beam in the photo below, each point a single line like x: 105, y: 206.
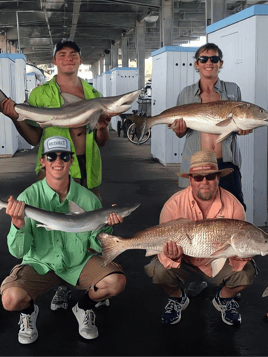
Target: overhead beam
x: 76, y: 13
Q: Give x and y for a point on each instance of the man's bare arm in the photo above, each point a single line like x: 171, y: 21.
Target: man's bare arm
x: 30, y: 133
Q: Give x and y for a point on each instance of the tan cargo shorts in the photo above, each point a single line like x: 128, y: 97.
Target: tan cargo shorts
x: 187, y: 273
x: 25, y: 277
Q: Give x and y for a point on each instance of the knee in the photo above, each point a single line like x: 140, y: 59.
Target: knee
x: 9, y: 301
x: 119, y: 284
x: 112, y: 284
x: 15, y: 299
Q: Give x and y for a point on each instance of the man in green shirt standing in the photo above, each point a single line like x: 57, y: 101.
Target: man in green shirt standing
x: 50, y: 258
x: 86, y: 168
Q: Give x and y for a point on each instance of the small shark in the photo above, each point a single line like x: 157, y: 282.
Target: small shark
x: 77, y: 220
x: 75, y: 113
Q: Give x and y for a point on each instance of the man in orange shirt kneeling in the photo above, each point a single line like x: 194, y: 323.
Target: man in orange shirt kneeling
x: 170, y: 269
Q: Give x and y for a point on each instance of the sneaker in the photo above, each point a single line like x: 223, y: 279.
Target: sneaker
x: 228, y: 308
x: 86, y: 322
x: 60, y: 299
x: 173, y: 309
x: 195, y: 288
x: 28, y: 332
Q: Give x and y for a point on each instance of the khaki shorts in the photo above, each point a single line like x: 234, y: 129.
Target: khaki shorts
x: 25, y: 277
x: 187, y: 273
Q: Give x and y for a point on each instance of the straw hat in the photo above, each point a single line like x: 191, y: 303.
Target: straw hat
x: 204, y: 163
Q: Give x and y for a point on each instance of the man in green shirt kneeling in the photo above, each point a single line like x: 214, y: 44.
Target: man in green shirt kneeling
x: 51, y: 258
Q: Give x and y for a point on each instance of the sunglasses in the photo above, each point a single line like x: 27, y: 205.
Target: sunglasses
x: 210, y: 177
x: 64, y: 156
x: 213, y: 59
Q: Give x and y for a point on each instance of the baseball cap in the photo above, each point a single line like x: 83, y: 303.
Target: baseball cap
x: 56, y: 144
x: 66, y: 42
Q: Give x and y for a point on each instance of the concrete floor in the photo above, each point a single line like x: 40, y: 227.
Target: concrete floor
x: 131, y: 326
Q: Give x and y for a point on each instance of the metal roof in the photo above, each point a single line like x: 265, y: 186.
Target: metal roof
x: 33, y: 26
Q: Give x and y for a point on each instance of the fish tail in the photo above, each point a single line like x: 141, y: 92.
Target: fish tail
x: 265, y: 293
x: 2, y: 204
x: 143, y: 124
x: 2, y: 96
x: 111, y: 247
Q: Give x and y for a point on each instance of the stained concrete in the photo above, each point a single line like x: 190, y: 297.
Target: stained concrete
x: 131, y: 325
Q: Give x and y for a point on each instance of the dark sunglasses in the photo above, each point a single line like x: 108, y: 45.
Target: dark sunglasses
x: 213, y: 59
x: 210, y: 177
x: 64, y: 156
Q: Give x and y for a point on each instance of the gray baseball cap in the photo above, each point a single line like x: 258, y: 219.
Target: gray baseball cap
x: 57, y: 144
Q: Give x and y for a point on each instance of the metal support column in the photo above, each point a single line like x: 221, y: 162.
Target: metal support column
x: 167, y: 22
x: 140, y: 48
x: 124, y: 49
x: 114, y: 56
x: 107, y: 64
x: 215, y: 11
x: 101, y: 61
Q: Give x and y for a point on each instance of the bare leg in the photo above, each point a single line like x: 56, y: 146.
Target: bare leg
x: 15, y: 299
x: 231, y: 292
x: 111, y: 285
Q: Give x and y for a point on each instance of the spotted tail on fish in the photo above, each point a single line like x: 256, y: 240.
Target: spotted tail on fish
x: 143, y: 124
x: 112, y: 246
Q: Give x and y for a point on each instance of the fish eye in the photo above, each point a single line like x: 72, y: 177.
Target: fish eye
x: 262, y: 110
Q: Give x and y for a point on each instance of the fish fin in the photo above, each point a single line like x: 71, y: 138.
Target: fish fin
x: 217, y: 266
x: 44, y: 226
x: 151, y: 252
x: 173, y: 124
x: 2, y: 96
x: 226, y: 122
x: 175, y: 222
x: 94, y: 117
x: 74, y: 208
x: 265, y: 293
x: 223, y: 136
x: 111, y: 247
x: 69, y: 98
x: 99, y: 226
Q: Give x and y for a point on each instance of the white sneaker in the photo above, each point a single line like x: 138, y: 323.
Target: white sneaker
x: 28, y: 332
x: 86, y: 322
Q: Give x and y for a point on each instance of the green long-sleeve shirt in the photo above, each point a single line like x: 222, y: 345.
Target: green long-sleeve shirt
x: 64, y: 253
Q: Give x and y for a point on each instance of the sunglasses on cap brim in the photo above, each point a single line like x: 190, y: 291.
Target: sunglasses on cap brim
x: 64, y: 156
x: 213, y: 59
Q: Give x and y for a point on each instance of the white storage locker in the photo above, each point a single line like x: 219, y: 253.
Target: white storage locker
x: 106, y: 78
x: 31, y: 82
x: 173, y: 69
x: 8, y: 132
x: 243, y: 39
x: 124, y: 80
